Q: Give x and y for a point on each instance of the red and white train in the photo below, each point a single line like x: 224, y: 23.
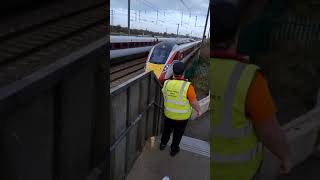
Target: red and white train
x: 164, y: 54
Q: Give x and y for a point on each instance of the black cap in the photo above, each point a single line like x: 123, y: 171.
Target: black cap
x: 178, y: 68
x: 225, y: 21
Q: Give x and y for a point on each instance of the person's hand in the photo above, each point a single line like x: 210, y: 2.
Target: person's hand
x: 199, y: 113
x: 246, y: 58
x: 285, y: 166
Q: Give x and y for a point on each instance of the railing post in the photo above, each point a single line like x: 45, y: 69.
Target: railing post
x: 127, y: 126
x: 317, y: 149
x: 318, y: 99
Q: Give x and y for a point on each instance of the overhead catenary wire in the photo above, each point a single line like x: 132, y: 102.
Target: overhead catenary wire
x: 151, y: 6
x: 184, y: 4
x: 164, y: 18
x: 147, y: 3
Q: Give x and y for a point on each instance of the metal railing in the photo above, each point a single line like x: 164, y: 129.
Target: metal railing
x: 136, y: 115
x: 295, y: 34
x: 286, y: 35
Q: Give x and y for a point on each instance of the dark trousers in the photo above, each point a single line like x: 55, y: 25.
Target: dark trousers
x: 178, y: 127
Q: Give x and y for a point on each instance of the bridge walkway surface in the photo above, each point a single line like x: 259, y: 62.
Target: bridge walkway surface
x: 192, y: 163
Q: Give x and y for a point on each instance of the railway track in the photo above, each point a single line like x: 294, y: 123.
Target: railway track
x: 21, y: 43
x: 24, y: 51
x: 125, y: 71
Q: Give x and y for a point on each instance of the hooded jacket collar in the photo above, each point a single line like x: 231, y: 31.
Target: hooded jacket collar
x: 227, y: 55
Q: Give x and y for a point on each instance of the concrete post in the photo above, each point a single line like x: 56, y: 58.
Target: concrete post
x: 129, y: 17
x: 205, y: 26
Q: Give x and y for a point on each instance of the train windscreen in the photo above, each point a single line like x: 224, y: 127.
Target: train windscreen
x: 161, y: 52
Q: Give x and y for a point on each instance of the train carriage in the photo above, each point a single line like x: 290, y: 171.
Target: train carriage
x: 130, y: 47
x: 124, y: 47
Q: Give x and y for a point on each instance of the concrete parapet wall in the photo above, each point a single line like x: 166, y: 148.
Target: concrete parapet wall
x: 204, y: 106
x: 302, y: 134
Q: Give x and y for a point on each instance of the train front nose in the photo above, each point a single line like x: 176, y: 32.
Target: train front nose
x: 159, y: 56
x: 156, y: 68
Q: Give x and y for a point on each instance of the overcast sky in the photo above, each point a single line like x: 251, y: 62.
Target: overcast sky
x: 192, y: 13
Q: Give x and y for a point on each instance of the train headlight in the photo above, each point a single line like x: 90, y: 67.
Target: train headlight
x: 166, y: 67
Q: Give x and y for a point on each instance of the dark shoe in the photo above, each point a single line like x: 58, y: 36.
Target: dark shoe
x: 174, y: 151
x: 162, y: 147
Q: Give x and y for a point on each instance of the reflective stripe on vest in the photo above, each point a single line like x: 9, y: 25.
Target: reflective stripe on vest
x: 176, y: 104
x: 180, y: 95
x: 177, y: 110
x: 225, y: 129
x: 247, y: 156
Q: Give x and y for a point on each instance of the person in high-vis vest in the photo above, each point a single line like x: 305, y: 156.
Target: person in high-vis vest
x: 242, y: 114
x: 179, y: 99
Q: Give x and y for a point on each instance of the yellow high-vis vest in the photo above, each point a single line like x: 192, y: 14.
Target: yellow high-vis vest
x: 236, y: 152
x: 176, y: 104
